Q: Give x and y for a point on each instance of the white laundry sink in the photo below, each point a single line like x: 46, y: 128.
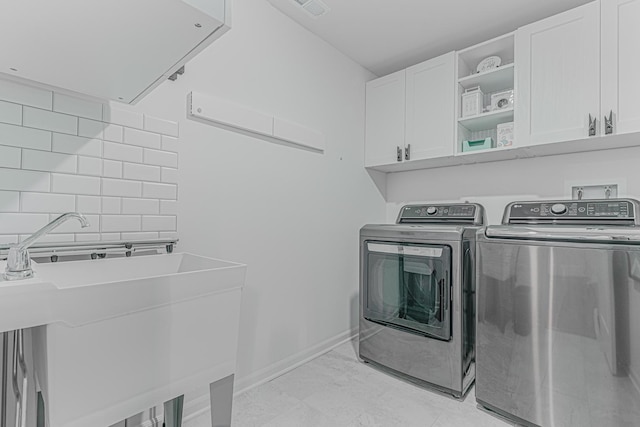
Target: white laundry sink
x: 125, y: 334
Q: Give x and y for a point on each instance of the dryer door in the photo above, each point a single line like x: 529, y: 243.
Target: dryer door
x: 408, y: 286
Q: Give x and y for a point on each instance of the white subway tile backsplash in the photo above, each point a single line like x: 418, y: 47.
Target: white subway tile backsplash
x: 141, y: 172
x: 121, y: 223
x: 168, y: 207
x: 122, y: 117
x: 88, y: 204
x: 170, y: 175
x: 158, y: 223
x: 121, y: 187
x: 26, y: 95
x: 140, y: 206
x: 90, y: 128
x: 89, y: 166
x: 72, y: 144
x: 77, y: 107
x: 21, y: 180
x: 168, y: 235
x: 10, y: 113
x: 47, y: 202
x: 51, y: 238
x: 21, y: 223
x: 109, y: 237
x: 59, y: 153
x: 170, y: 144
x: 111, y: 169
x: 18, y: 136
x: 159, y: 191
x: 160, y: 158
x: 75, y: 184
x: 8, y: 239
x: 49, y: 162
x: 113, y: 133
x: 75, y: 227
x: 165, y: 127
x: 10, y: 157
x: 148, y: 235
x: 117, y: 151
x: 88, y: 237
x: 142, y: 138
x: 111, y: 205
x: 9, y: 201
x: 48, y: 120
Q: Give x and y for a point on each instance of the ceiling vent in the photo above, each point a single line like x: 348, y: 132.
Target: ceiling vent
x: 315, y: 8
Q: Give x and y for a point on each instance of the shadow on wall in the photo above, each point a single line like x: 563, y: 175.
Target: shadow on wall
x: 355, y: 319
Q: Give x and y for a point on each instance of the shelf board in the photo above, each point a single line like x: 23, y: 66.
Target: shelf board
x: 517, y: 152
x: 486, y: 121
x: 490, y: 81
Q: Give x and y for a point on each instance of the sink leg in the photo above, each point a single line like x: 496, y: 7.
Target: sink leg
x: 221, y: 393
x: 173, y: 412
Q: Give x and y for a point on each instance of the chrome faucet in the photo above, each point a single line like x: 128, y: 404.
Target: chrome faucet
x: 18, y: 260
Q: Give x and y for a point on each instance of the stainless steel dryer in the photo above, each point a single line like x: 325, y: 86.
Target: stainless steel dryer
x: 417, y: 295
x: 558, y: 322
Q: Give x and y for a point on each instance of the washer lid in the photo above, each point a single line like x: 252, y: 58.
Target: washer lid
x: 602, y: 234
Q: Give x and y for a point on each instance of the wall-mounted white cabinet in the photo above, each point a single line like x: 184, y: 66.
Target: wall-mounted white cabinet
x: 620, y: 62
x: 385, y: 120
x: 410, y: 114
x: 577, y: 70
x: 116, y: 49
x: 558, y: 81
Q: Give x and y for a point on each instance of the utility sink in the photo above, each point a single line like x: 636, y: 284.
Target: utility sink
x: 120, y: 335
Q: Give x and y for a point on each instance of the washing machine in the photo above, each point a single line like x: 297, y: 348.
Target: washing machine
x: 558, y: 314
x: 417, y: 295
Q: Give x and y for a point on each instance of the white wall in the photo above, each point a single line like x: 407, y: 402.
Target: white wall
x: 292, y: 215
x: 495, y: 184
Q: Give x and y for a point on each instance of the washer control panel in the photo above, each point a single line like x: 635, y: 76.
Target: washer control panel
x: 463, y: 212
x: 571, y: 210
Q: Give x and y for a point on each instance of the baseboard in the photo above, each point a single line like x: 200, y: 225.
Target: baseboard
x: 197, y: 407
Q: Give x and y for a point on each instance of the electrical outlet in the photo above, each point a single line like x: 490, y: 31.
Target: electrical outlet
x: 598, y: 191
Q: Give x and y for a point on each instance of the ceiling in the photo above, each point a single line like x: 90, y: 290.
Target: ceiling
x: 388, y: 35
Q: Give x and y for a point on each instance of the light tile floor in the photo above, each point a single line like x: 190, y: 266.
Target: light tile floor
x: 337, y: 390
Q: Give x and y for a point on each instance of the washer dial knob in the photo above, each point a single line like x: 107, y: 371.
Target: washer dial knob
x: 431, y: 210
x: 558, y: 209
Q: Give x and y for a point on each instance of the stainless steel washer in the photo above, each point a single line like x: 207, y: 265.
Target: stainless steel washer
x: 417, y: 295
x: 558, y: 322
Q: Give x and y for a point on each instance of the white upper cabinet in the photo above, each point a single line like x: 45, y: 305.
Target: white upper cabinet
x: 384, y: 126
x: 410, y: 114
x: 109, y: 49
x: 620, y: 65
x: 430, y: 108
x: 558, y: 79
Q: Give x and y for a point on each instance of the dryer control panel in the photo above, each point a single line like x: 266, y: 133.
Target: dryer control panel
x: 463, y: 213
x: 572, y: 211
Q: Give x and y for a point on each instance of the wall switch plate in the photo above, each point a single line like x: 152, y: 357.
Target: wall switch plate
x: 599, y: 191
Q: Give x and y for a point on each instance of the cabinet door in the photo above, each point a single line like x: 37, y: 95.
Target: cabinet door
x: 430, y: 115
x: 620, y: 64
x: 558, y: 78
x: 384, y: 127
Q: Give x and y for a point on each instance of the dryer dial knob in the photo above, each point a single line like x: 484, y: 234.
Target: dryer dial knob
x: 431, y: 210
x: 558, y: 209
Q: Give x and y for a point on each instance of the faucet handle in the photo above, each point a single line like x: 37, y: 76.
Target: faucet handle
x: 18, y: 264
